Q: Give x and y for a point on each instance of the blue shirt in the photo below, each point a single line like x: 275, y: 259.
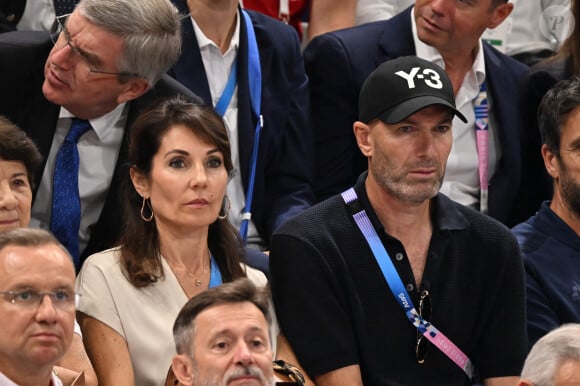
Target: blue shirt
x: 551, y: 251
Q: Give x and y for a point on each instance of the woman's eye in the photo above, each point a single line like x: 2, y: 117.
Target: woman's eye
x: 18, y: 182
x: 177, y: 163
x: 214, y: 163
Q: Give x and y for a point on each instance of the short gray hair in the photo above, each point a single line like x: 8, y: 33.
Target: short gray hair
x: 29, y: 237
x: 151, y: 31
x: 550, y: 352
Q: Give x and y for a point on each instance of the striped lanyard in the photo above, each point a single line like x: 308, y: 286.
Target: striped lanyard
x: 398, y: 289
x: 482, y: 136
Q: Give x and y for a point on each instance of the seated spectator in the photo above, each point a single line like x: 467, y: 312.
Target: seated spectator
x: 222, y: 336
x: 176, y: 243
x: 446, y: 265
x: 19, y: 162
x: 554, y: 360
x: 75, y: 94
x: 37, y: 307
x: 563, y: 65
x: 269, y: 87
x: 489, y: 168
x: 550, y: 240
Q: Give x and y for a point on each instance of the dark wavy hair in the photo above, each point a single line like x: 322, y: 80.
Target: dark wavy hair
x: 140, y: 257
x: 15, y: 145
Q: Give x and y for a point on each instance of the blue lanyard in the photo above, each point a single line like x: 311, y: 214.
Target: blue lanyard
x: 228, y: 92
x: 398, y: 289
x: 215, y: 276
x: 255, y: 84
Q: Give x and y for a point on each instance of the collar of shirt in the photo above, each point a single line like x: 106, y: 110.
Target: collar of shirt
x: 431, y: 54
x: 5, y: 381
x: 102, y: 125
x: 203, y: 41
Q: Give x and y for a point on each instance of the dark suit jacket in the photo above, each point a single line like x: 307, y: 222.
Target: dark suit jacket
x: 10, y: 13
x: 23, y: 56
x: 283, y: 185
x: 337, y: 64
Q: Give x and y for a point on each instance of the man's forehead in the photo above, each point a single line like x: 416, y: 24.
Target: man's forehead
x: 228, y: 316
x: 44, y: 260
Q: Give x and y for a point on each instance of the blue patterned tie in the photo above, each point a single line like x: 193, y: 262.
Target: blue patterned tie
x: 65, y: 218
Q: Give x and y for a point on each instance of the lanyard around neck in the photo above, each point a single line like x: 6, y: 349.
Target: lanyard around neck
x: 398, y: 288
x: 255, y: 85
x: 222, y: 105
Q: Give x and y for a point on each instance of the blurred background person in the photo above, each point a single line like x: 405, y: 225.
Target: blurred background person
x: 176, y: 243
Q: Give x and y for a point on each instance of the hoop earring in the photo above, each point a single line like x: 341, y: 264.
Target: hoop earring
x: 147, y: 203
x: 225, y: 209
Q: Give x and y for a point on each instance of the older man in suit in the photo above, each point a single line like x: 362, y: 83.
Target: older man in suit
x: 447, y: 33
x: 104, y: 67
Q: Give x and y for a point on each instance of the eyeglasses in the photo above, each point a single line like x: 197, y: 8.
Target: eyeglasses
x: 59, y: 29
x: 422, y: 344
x: 61, y: 299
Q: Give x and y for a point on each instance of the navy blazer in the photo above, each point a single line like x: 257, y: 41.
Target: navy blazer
x: 23, y: 56
x: 283, y: 184
x: 337, y: 64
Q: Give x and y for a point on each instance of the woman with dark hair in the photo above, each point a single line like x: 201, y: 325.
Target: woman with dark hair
x: 176, y: 243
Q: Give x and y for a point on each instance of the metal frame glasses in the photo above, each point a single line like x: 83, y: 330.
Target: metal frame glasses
x: 422, y: 344
x: 61, y: 299
x: 59, y: 29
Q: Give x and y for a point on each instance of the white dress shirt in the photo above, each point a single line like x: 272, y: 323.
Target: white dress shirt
x: 5, y: 381
x: 39, y: 15
x: 461, y: 182
x: 98, y: 152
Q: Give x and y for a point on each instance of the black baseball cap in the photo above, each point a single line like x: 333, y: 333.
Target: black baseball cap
x: 400, y: 87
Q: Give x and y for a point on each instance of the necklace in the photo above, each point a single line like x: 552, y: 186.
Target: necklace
x: 195, y: 276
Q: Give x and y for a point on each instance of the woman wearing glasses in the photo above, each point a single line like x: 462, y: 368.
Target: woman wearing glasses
x: 19, y: 161
x: 176, y: 243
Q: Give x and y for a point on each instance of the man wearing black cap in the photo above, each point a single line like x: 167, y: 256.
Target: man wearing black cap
x: 494, y: 165
x: 392, y: 283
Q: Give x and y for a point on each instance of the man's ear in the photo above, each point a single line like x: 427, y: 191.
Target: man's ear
x: 551, y: 162
x: 133, y: 89
x: 139, y: 182
x: 183, y: 369
x: 361, y: 133
x: 500, y: 13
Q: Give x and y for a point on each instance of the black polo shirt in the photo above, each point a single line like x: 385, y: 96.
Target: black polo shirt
x: 336, y: 309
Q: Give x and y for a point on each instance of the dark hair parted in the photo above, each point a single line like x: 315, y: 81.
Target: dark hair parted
x: 238, y: 291
x: 140, y: 240
x: 554, y: 108
x: 15, y: 145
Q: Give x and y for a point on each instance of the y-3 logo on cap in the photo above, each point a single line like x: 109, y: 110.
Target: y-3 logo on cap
x: 429, y: 76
